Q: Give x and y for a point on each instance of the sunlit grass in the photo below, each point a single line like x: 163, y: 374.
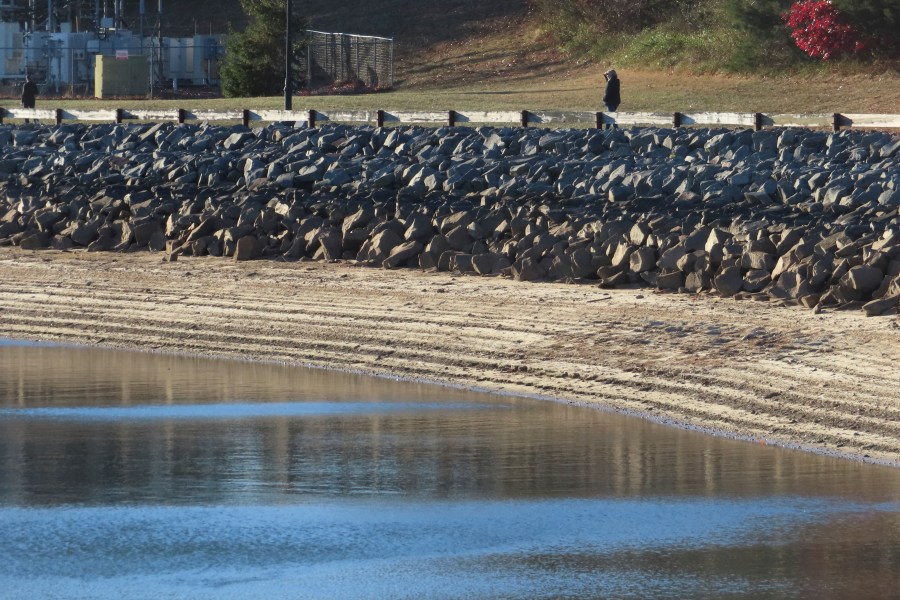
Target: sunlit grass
x: 580, y: 89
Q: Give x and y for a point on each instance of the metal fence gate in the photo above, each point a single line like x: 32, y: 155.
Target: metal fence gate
x: 331, y: 58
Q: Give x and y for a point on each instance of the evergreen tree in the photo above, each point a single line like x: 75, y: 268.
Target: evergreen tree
x: 255, y: 59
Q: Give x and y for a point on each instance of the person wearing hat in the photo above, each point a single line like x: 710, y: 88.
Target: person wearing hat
x: 612, y: 97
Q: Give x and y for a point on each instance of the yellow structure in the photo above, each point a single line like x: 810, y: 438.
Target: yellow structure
x: 121, y: 76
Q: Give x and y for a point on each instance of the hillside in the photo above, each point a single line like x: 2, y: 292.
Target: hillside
x: 512, y: 54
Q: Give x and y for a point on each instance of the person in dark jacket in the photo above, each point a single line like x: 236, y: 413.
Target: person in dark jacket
x: 612, y: 97
x: 29, y: 93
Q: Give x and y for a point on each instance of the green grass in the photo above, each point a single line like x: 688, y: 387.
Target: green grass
x: 664, y: 48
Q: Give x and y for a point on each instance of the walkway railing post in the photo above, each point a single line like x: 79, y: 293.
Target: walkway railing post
x: 288, y: 57
x: 452, y: 118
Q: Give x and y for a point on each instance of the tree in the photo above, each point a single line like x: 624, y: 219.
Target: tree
x: 878, y: 22
x: 255, y: 59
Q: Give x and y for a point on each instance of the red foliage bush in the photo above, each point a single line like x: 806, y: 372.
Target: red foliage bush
x: 820, y: 30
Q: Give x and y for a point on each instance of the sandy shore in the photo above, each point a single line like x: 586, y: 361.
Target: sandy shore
x: 781, y: 375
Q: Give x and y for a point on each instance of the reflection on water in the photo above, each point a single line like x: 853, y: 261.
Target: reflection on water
x: 144, y: 476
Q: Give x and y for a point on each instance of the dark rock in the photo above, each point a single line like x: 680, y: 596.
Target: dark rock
x: 670, y: 280
x: 729, y: 281
x: 401, y: 254
x: 881, y: 306
x: 35, y: 241
x: 756, y: 281
x: 863, y: 279
x: 642, y: 259
x: 380, y: 246
x: 247, y: 248
x: 527, y: 270
x: 83, y: 233
x: 459, y: 239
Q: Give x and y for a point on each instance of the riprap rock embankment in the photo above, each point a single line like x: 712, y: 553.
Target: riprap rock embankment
x: 794, y: 215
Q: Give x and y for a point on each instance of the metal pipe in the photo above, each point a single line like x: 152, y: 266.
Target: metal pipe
x: 288, y: 52
x: 49, y: 15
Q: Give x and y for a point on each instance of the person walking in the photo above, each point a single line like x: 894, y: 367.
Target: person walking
x: 612, y: 97
x: 29, y: 93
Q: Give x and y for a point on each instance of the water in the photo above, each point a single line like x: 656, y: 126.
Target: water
x: 126, y: 475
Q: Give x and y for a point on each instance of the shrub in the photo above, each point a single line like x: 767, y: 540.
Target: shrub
x: 821, y: 31
x: 612, y: 16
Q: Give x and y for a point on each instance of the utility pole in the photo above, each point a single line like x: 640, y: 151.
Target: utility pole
x: 288, y: 56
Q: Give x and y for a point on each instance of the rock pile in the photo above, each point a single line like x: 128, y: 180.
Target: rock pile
x: 801, y: 216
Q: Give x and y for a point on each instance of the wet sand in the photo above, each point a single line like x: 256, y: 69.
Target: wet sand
x: 770, y: 374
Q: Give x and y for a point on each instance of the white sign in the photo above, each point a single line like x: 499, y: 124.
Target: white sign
x: 121, y: 54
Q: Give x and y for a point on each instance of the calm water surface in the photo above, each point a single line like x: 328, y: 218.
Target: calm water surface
x: 139, y: 476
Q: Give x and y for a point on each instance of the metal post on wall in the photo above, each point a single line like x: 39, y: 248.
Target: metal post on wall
x: 288, y: 88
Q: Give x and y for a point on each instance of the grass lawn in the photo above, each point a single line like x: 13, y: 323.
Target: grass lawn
x: 577, y: 89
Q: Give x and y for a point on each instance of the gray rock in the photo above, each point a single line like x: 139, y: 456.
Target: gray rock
x: 792, y: 284
x: 144, y: 232
x: 401, y: 254
x: 756, y: 281
x: 490, y: 263
x: 863, y: 279
x: 35, y: 241
x: 729, y: 281
x: 247, y: 248
x: 670, y: 280
x: 881, y: 306
x: 157, y: 242
x: 461, y: 219
x: 83, y: 233
x: 459, y: 239
x: 643, y: 259
x: 527, y: 270
x: 380, y: 246
x: 237, y: 140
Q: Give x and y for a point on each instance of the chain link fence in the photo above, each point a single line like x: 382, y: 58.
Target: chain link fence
x: 330, y: 58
